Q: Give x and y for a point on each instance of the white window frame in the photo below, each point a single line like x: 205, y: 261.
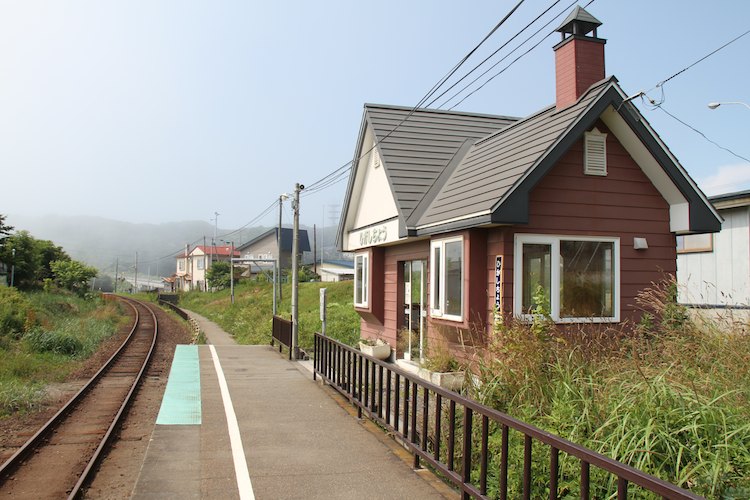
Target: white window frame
x: 364, y: 283
x: 554, y: 242
x: 438, y: 310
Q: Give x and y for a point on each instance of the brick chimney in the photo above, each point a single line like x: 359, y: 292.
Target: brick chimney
x: 579, y: 57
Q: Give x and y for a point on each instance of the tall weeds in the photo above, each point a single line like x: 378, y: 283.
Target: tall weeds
x: 667, y: 397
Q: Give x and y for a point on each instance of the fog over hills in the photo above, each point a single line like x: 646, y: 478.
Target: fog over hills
x: 99, y: 242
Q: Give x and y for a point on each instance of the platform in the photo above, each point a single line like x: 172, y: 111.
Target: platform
x: 266, y: 430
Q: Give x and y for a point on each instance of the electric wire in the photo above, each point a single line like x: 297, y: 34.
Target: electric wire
x: 348, y: 165
x: 661, y: 108
x: 493, y: 53
x: 480, y: 87
x: 661, y: 83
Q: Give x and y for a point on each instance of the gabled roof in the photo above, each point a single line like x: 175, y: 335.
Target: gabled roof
x: 491, y: 185
x: 494, y: 165
x: 224, y: 251
x: 445, y: 179
x: 287, y: 235
x: 417, y: 152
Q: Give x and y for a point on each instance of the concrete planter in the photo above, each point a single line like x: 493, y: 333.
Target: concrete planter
x: 453, y: 381
x: 379, y: 351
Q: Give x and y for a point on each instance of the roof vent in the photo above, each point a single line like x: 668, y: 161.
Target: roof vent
x: 595, y: 153
x: 375, y: 158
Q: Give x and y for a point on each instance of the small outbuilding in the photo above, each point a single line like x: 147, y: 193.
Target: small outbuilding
x: 459, y: 219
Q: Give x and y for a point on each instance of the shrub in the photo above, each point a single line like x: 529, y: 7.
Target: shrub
x: 14, y: 311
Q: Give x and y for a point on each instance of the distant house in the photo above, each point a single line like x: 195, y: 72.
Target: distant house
x: 193, y: 264
x: 264, y: 248
x: 458, y: 219
x: 713, y: 270
x: 336, y: 270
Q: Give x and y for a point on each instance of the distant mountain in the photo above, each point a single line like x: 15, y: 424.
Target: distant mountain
x: 99, y: 242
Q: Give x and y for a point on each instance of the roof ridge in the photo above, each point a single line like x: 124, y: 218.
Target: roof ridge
x: 368, y: 105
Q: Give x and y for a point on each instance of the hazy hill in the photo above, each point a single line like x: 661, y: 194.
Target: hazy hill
x: 99, y: 241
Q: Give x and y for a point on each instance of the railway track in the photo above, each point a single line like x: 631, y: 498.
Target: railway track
x: 61, y: 457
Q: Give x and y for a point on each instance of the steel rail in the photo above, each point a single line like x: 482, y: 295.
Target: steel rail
x: 14, y: 462
x: 98, y: 454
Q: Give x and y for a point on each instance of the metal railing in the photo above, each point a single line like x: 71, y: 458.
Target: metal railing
x: 282, y: 333
x: 451, y: 434
x: 174, y: 308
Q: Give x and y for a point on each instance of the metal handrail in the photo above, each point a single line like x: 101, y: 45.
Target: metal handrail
x: 394, y: 398
x: 282, y: 333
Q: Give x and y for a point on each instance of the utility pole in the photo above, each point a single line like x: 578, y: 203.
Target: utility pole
x: 117, y: 270
x: 231, y: 273
x: 282, y: 197
x: 213, y: 241
x: 13, y: 268
x: 136, y: 273
x: 295, y: 273
x: 315, y: 250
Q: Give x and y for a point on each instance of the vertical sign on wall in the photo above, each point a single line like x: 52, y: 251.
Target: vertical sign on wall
x: 498, y: 288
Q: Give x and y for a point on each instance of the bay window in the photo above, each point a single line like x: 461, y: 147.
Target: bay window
x: 446, y: 278
x: 571, y: 278
x: 361, y: 279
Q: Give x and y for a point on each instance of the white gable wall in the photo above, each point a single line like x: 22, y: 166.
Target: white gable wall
x: 722, y: 276
x: 372, y: 207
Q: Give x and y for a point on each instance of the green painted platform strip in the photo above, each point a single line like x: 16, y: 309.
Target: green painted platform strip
x: 181, y: 404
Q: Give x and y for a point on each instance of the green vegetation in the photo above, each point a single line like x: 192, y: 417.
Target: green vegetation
x: 672, y: 400
x: 40, y: 264
x: 249, y: 320
x: 43, y: 338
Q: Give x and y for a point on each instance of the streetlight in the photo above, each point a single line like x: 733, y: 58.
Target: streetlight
x: 714, y: 105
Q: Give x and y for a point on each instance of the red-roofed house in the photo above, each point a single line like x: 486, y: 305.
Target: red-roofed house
x: 192, y: 265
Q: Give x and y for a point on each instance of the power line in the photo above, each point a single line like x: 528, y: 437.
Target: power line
x: 505, y: 57
x: 661, y: 83
x: 661, y: 108
x: 346, y: 166
x: 493, y: 54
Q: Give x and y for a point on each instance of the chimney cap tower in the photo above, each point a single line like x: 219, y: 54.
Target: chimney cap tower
x: 579, y: 57
x: 579, y: 22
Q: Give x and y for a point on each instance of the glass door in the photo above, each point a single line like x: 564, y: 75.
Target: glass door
x: 415, y: 294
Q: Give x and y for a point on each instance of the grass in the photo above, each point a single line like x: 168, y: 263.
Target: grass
x: 58, y: 332
x: 670, y: 399
x: 249, y: 320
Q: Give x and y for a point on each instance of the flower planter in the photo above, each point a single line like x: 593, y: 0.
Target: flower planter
x: 453, y: 381
x: 379, y: 351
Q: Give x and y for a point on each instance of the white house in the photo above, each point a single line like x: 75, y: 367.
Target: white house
x: 192, y: 265
x: 713, y: 270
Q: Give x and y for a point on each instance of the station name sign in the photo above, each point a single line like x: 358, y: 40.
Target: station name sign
x: 373, y: 236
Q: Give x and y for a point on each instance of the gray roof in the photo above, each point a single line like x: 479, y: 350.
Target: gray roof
x: 580, y: 16
x: 287, y: 235
x: 495, y: 165
x: 445, y: 180
x: 419, y: 150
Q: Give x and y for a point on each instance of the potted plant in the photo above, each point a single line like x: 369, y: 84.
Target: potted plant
x: 377, y: 348
x: 441, y: 368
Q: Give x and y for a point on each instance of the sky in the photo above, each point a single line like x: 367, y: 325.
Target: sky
x: 157, y: 111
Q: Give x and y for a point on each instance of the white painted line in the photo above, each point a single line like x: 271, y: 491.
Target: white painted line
x: 238, y: 452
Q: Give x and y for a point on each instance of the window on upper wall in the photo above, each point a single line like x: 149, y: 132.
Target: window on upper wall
x: 695, y: 243
x: 181, y: 265
x: 200, y: 264
x: 447, y: 277
x: 361, y: 279
x: 573, y: 279
x: 595, y: 153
